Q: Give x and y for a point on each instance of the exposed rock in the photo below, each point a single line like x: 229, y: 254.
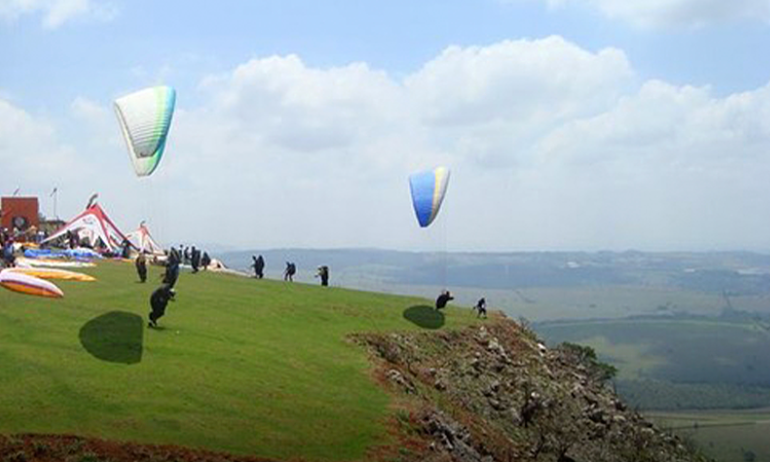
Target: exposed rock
x: 452, y: 437
x: 481, y: 405
x: 397, y: 378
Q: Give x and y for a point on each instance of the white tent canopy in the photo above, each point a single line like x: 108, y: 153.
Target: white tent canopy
x: 143, y: 241
x: 93, y: 224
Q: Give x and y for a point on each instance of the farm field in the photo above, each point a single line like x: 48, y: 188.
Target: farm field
x: 726, y: 435
x: 679, y: 363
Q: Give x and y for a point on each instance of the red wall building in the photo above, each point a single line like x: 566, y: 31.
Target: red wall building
x: 19, y: 212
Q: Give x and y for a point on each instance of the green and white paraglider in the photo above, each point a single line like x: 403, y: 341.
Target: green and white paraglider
x: 145, y: 118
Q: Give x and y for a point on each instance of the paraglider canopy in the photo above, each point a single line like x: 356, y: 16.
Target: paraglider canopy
x: 428, y: 190
x: 145, y: 118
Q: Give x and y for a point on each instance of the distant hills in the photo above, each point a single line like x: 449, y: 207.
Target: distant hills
x: 519, y: 280
x: 706, y: 271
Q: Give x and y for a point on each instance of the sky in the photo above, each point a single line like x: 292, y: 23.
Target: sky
x: 567, y: 124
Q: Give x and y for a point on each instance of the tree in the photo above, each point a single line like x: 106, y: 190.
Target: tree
x: 586, y: 356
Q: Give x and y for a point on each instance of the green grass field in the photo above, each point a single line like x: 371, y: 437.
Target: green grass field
x: 239, y: 365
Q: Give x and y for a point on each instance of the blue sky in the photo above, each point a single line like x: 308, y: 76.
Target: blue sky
x: 62, y: 62
x: 143, y: 40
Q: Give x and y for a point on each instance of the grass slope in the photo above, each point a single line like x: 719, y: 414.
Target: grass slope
x: 244, y: 366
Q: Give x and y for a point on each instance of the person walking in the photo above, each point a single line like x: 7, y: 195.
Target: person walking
x: 288, y: 274
x: 141, y: 267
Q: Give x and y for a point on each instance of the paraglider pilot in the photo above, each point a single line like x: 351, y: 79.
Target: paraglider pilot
x: 158, y: 301
x: 443, y: 299
x: 481, y: 307
x: 259, y: 266
x: 323, y: 273
x: 195, y: 259
x: 172, y: 268
x: 288, y: 274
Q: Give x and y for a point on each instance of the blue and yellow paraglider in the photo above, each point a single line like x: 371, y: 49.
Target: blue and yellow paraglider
x: 428, y: 190
x: 145, y: 118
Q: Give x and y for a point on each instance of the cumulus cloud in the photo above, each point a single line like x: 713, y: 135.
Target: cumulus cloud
x: 302, y: 109
x: 31, y: 154
x: 551, y: 146
x: 57, y: 12
x: 664, y: 13
x: 495, y: 100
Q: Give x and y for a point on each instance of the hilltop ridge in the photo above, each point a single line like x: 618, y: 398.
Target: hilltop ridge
x: 247, y: 369
x: 495, y: 393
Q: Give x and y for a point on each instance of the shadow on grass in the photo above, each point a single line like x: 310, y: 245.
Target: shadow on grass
x: 424, y: 316
x: 115, y: 337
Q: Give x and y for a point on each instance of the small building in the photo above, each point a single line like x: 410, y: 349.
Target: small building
x: 20, y: 213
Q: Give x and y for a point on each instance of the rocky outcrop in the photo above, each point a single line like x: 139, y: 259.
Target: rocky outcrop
x: 496, y: 393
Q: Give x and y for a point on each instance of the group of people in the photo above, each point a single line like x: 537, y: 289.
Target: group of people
x: 176, y: 257
x: 445, y: 297
x: 258, y: 264
x: 192, y: 256
x: 166, y: 292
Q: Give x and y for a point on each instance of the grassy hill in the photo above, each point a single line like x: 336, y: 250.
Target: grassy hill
x: 238, y: 365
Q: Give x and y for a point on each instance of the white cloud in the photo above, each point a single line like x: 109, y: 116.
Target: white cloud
x: 544, y: 79
x: 551, y: 146
x: 31, y: 155
x: 297, y: 108
x: 664, y: 13
x: 57, y: 12
x: 496, y: 100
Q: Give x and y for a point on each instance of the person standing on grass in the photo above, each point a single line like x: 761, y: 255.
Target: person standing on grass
x: 172, y: 268
x: 481, y: 307
x: 8, y: 257
x: 288, y: 274
x: 323, y: 273
x: 141, y: 267
x: 259, y: 266
x: 158, y: 301
x: 195, y: 257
